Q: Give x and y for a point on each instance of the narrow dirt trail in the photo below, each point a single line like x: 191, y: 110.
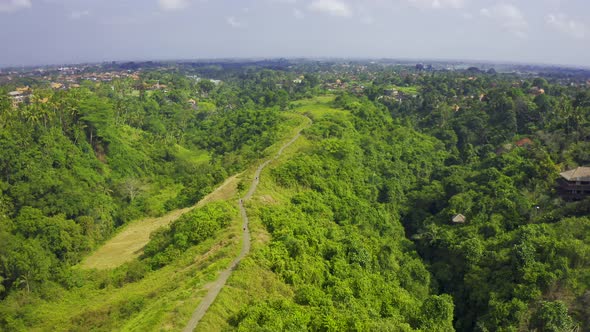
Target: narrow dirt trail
x: 218, y: 284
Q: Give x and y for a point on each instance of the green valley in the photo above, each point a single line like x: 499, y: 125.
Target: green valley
x: 383, y: 198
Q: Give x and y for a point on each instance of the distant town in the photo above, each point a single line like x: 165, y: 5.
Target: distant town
x: 348, y: 75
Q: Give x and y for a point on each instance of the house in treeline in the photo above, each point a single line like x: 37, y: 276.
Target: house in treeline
x: 574, y: 185
x: 522, y: 143
x: 57, y: 85
x: 459, y: 219
x: 525, y: 142
x: 390, y: 92
x: 536, y: 91
x: 193, y: 104
x: 20, y: 95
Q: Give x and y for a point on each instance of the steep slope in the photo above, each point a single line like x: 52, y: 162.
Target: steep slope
x: 216, y: 286
x: 128, y: 244
x: 329, y: 252
x: 160, y: 289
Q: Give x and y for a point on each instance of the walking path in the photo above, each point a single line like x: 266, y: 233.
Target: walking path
x: 225, y: 274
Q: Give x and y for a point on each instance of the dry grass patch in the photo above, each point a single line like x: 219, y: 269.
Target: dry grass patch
x: 226, y: 191
x: 128, y: 244
x: 267, y: 199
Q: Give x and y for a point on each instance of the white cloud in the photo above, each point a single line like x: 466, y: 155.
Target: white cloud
x: 233, y: 22
x: 467, y: 16
x: 436, y: 4
x: 509, y: 17
x: 566, y: 25
x: 298, y: 14
x: 76, y: 15
x: 331, y: 7
x: 368, y: 20
x: 173, y: 4
x: 14, y: 5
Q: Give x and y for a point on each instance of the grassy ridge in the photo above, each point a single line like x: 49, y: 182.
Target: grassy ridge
x: 253, y: 282
x: 159, y: 300
x: 290, y: 283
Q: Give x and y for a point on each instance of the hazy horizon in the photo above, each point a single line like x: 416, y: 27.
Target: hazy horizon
x: 409, y: 61
x: 51, y: 32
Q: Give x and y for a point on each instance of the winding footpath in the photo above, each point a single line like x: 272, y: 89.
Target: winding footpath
x: 218, y: 284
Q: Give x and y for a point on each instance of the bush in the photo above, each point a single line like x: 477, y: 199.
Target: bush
x: 190, y: 229
x: 552, y: 317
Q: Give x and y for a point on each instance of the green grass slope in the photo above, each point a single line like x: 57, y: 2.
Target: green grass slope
x: 327, y: 255
x: 156, y: 291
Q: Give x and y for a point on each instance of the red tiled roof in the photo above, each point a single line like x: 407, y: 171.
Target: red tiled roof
x: 523, y: 142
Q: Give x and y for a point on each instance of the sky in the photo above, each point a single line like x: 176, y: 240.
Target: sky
x: 37, y: 32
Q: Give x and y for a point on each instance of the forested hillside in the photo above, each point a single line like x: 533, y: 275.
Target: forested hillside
x: 520, y: 261
x: 78, y: 164
x: 336, y: 239
x: 352, y: 228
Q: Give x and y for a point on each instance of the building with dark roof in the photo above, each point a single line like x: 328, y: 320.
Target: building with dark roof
x: 574, y: 185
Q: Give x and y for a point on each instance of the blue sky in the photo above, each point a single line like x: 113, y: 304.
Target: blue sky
x: 68, y: 31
